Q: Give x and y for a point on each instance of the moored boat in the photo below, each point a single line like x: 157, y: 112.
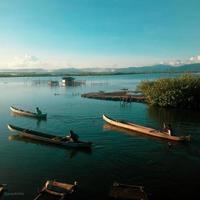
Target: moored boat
x: 124, y: 191
x: 145, y: 130
x: 48, y: 138
x: 56, y: 188
x: 1, y: 189
x: 27, y: 113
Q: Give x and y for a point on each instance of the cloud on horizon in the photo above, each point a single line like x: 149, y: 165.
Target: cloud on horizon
x: 31, y: 61
x: 176, y: 62
x: 24, y: 61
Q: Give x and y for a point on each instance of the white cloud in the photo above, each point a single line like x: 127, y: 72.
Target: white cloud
x: 25, y: 61
x: 191, y: 60
x: 195, y: 59
x: 30, y: 61
x: 82, y: 61
x: 173, y: 62
x: 78, y: 61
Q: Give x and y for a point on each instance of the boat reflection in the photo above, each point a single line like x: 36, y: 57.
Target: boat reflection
x: 37, y: 121
x: 26, y: 116
x: 72, y: 152
x: 109, y: 127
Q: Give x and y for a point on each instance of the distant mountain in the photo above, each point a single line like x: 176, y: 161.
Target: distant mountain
x: 83, y: 70
x: 190, y: 67
x: 99, y: 69
x: 95, y: 71
x: 66, y: 71
x: 27, y: 70
x: 160, y: 68
x: 145, y: 69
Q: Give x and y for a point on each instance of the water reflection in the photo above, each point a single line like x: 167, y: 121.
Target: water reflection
x: 109, y: 127
x: 37, y: 121
x: 72, y: 152
x: 173, y: 115
x: 159, y: 168
x: 57, y: 82
x: 35, y: 118
x: 184, y: 122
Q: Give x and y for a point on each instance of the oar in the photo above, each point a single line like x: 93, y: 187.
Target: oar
x: 41, y: 192
x: 38, y: 196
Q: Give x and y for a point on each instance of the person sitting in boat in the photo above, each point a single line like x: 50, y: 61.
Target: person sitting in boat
x: 39, y: 112
x: 167, y: 129
x: 73, y: 136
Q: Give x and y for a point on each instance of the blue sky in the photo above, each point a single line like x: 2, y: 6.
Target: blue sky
x: 102, y: 33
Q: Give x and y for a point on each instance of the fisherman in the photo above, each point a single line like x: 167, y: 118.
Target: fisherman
x: 39, y: 112
x: 73, y: 136
x: 167, y: 129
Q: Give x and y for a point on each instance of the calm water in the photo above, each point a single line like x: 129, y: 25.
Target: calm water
x: 166, y: 173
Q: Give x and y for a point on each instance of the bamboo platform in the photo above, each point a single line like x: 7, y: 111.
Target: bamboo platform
x: 123, y: 96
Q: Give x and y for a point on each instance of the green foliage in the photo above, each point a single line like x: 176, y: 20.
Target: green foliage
x: 183, y: 92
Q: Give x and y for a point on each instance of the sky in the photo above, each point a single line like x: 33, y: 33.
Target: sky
x: 97, y: 33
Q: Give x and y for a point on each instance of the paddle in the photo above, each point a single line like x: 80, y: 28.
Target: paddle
x: 38, y: 196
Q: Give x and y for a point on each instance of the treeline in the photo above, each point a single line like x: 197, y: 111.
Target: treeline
x: 182, y: 92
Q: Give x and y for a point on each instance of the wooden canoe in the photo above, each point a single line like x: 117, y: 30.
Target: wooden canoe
x: 27, y: 113
x: 124, y: 191
x: 57, y: 189
x: 48, y: 138
x: 1, y: 189
x: 145, y: 130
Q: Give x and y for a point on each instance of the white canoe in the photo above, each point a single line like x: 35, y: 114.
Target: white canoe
x: 144, y: 130
x: 27, y: 113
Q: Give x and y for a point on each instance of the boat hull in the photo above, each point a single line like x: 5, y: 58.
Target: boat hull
x: 145, y: 130
x: 56, y: 188
x: 52, y: 139
x: 124, y: 191
x: 1, y: 189
x: 27, y: 113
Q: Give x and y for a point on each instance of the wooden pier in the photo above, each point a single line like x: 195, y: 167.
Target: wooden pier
x: 122, y: 96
